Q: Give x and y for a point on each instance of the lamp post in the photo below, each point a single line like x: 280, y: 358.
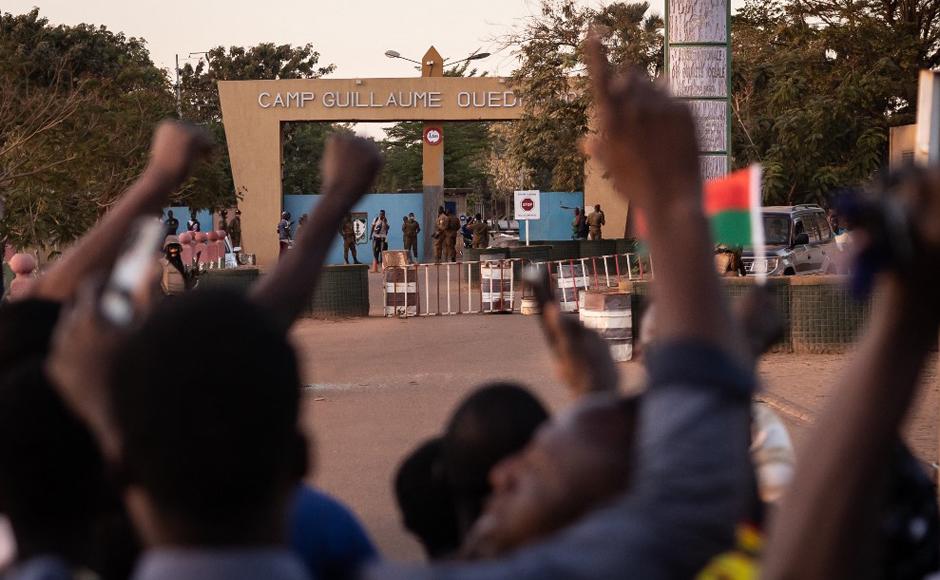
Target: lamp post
x: 432, y: 141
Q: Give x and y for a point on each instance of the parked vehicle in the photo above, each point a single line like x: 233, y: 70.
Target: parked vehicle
x: 799, y: 241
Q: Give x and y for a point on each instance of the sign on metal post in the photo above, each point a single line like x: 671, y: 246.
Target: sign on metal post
x: 527, y: 207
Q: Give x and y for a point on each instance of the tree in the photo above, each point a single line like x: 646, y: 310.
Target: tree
x: 817, y: 84
x: 79, y: 105
x: 466, y: 150
x: 303, y: 142
x: 543, y: 144
x: 302, y: 152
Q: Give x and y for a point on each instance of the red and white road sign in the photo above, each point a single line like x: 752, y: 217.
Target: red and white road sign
x: 433, y: 135
x: 527, y: 205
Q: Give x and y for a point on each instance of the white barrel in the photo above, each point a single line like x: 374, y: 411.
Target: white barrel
x: 530, y: 307
x: 610, y: 314
x: 496, y: 286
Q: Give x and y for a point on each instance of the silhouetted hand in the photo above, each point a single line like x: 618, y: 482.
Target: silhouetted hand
x: 349, y: 166
x: 176, y: 148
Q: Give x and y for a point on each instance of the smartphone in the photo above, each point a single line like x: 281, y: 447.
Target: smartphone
x: 540, y: 281
x: 132, y: 272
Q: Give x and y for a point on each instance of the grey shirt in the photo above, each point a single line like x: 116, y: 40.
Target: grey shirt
x: 227, y: 564
x: 689, y: 488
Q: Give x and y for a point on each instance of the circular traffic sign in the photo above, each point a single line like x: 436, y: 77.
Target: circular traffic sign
x: 433, y: 135
x: 527, y: 203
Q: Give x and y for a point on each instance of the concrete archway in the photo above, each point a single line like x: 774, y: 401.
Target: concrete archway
x: 253, y: 113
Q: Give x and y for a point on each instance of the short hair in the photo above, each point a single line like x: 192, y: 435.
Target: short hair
x: 404, y: 218
x: 26, y: 328
x: 494, y: 422
x: 597, y: 206
x: 216, y: 447
x: 478, y: 216
x: 425, y: 500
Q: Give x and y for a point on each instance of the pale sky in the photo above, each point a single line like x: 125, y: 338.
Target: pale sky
x: 352, y: 34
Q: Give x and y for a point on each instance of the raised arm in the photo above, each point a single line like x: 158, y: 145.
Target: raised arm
x: 350, y: 164
x: 829, y: 516
x: 646, y: 142
x: 691, y: 474
x: 175, y: 150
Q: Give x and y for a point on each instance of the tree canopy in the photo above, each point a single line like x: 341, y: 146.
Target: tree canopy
x: 467, y: 148
x: 303, y: 142
x: 78, y: 107
x: 542, y: 146
x: 817, y: 84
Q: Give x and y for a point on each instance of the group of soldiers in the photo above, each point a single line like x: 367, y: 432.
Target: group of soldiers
x: 447, y: 230
x: 588, y: 226
x: 378, y: 233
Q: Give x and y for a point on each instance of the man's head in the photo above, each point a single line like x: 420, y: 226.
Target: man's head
x: 169, y: 214
x: 210, y: 457
x: 597, y: 207
x: 441, y: 209
x: 478, y: 217
x: 425, y: 500
x: 491, y: 424
x: 578, y: 461
x: 52, y: 476
x: 404, y: 219
x: 411, y: 216
x: 285, y: 215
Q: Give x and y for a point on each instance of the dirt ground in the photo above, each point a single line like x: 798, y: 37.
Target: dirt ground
x: 378, y: 387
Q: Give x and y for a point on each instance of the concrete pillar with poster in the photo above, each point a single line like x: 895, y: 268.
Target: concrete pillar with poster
x: 527, y: 207
x: 698, y: 66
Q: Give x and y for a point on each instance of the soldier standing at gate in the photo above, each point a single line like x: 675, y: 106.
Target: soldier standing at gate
x: 440, y: 233
x: 348, y: 231
x: 481, y: 232
x: 453, y: 228
x: 594, y: 222
x: 409, y: 234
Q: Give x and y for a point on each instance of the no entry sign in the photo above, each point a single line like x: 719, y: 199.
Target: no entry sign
x: 433, y: 135
x: 527, y: 205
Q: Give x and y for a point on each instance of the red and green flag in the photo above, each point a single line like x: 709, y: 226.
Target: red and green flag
x: 733, y: 206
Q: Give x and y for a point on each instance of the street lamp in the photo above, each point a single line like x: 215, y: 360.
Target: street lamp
x: 474, y: 56
x: 396, y: 54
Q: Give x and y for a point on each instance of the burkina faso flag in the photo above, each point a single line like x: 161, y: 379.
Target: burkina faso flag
x: 733, y: 206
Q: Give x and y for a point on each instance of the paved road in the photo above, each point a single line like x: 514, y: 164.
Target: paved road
x: 381, y: 386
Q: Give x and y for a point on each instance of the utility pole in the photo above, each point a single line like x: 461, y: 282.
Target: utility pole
x: 179, y: 94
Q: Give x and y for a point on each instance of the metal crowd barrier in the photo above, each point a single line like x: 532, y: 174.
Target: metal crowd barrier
x: 451, y: 288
